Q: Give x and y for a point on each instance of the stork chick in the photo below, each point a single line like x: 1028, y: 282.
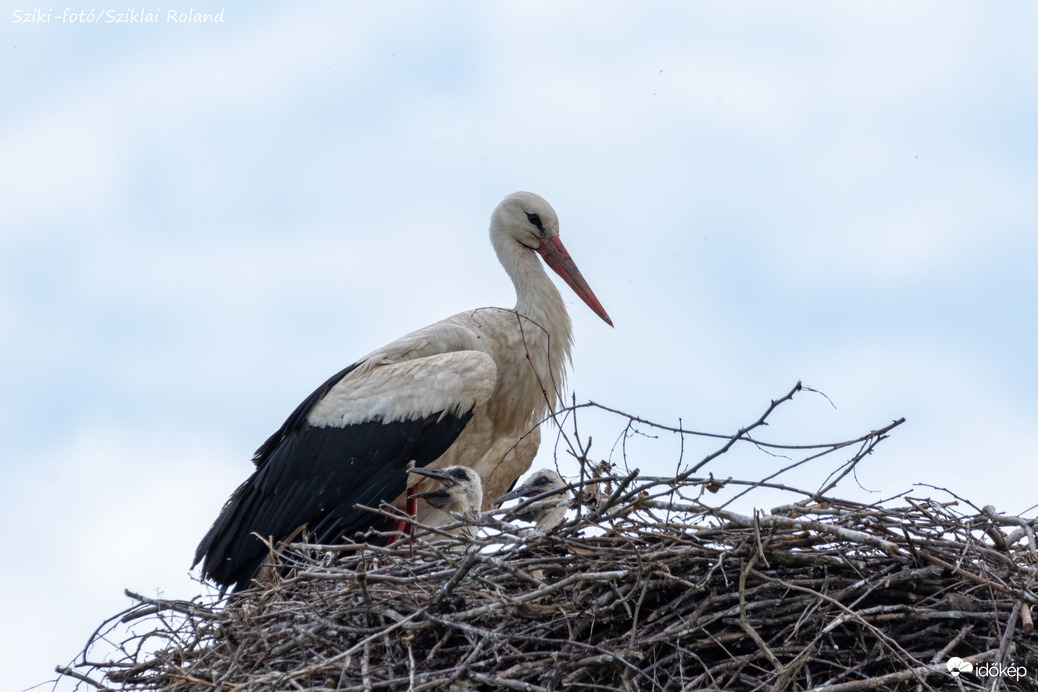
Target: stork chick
x: 549, y: 512
x: 460, y: 494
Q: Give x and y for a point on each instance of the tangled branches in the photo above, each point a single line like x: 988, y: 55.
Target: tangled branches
x: 653, y: 583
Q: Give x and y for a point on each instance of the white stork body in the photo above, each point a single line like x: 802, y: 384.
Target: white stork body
x: 461, y: 392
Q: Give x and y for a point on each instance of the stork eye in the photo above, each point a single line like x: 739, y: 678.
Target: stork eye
x: 460, y: 474
x: 542, y: 480
x: 536, y: 221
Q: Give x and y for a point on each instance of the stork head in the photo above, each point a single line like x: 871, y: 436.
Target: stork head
x: 529, y: 220
x: 461, y: 491
x: 549, y: 512
x: 526, y: 218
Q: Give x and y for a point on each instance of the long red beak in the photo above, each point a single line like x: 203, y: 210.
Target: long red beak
x: 554, y: 253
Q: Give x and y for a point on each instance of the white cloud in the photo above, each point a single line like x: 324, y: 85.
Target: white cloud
x: 65, y: 151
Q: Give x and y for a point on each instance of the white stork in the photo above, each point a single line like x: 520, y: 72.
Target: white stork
x: 469, y: 390
x: 460, y: 492
x: 548, y: 512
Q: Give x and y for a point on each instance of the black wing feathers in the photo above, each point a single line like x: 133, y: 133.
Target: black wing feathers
x: 298, y: 417
x: 314, y: 476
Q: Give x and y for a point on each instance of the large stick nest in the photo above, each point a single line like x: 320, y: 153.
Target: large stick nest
x: 651, y: 584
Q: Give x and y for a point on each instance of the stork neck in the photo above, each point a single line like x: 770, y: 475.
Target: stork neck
x: 536, y: 294
x: 547, y: 347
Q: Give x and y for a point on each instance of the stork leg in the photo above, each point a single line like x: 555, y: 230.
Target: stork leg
x: 406, y: 529
x: 412, y: 507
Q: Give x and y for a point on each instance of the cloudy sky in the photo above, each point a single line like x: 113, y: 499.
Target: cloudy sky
x: 200, y: 223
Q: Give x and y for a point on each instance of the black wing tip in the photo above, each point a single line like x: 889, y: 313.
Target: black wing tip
x: 228, y: 576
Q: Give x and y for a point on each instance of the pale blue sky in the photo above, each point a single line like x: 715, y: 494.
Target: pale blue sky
x: 201, y: 223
